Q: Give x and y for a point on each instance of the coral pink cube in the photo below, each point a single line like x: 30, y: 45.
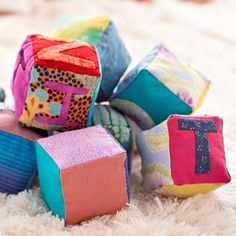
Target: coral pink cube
x: 82, y: 174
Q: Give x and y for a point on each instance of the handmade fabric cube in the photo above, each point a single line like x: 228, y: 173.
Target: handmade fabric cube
x: 160, y: 85
x: 117, y: 124
x: 55, y: 83
x: 82, y: 173
x: 184, y: 156
x: 2, y: 95
x: 17, y: 153
x: 102, y: 33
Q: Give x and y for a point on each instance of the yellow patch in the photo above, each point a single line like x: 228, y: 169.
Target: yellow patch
x: 71, y: 32
x: 188, y: 190
x: 157, y: 142
x: 157, y: 168
x: 33, y: 107
x: 202, y: 97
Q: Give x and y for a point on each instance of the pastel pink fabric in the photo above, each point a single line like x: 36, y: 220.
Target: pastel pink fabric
x: 22, y: 69
x: 183, y: 154
x: 80, y: 146
x: 8, y: 123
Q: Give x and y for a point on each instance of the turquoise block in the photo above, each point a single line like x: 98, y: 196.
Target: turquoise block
x: 154, y: 98
x: 49, y: 176
x: 159, y: 86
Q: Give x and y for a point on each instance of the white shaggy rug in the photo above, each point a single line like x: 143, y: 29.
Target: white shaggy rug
x: 204, y: 36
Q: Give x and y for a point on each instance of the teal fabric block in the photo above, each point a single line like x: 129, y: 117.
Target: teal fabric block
x: 160, y: 85
x: 2, y: 95
x: 148, y: 102
x: 131, y: 76
x: 96, y: 92
x: 49, y: 176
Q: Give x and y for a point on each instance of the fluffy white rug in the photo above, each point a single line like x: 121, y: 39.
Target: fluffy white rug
x: 204, y: 36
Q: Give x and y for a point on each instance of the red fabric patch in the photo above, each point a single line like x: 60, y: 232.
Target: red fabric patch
x: 183, y: 154
x: 87, y: 52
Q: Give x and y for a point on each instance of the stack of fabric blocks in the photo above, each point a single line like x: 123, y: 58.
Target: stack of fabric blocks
x: 82, y: 150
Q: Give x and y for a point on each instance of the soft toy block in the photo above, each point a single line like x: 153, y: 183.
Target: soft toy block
x: 17, y: 153
x: 184, y: 156
x: 55, y: 83
x: 101, y: 32
x: 160, y: 85
x: 2, y: 95
x: 82, y: 173
x: 118, y: 125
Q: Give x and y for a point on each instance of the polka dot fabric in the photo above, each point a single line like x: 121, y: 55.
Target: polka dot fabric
x: 55, y: 96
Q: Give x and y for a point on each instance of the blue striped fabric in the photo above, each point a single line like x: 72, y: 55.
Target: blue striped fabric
x: 17, y: 162
x: 127, y: 178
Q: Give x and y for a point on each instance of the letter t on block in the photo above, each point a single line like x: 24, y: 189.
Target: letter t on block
x: 201, y: 128
x: 66, y: 104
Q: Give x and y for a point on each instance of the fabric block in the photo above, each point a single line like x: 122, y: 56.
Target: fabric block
x: 55, y: 83
x: 17, y: 153
x: 184, y: 155
x: 82, y: 173
x: 117, y: 124
x: 160, y: 85
x: 102, y: 33
x: 2, y: 95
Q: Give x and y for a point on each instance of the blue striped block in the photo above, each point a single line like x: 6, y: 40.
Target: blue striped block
x: 17, y: 163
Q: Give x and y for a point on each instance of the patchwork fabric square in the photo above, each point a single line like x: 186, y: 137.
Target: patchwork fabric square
x: 102, y: 33
x: 118, y: 125
x: 82, y: 173
x: 17, y: 153
x: 184, y: 156
x: 55, y: 83
x: 160, y: 85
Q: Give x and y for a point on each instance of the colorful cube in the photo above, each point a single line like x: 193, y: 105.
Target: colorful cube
x: 17, y: 153
x: 2, y: 95
x: 82, y: 173
x: 184, y: 156
x: 55, y: 83
x: 101, y: 32
x: 118, y: 125
x: 160, y: 85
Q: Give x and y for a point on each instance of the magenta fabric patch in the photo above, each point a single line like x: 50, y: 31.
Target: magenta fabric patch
x: 183, y: 152
x: 23, y: 65
x: 80, y: 146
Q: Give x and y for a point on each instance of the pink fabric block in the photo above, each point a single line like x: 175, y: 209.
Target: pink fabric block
x: 23, y: 66
x: 80, y: 146
x: 183, y: 154
x: 8, y: 123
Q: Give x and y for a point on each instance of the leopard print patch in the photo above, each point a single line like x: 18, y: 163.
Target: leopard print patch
x: 53, y: 94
